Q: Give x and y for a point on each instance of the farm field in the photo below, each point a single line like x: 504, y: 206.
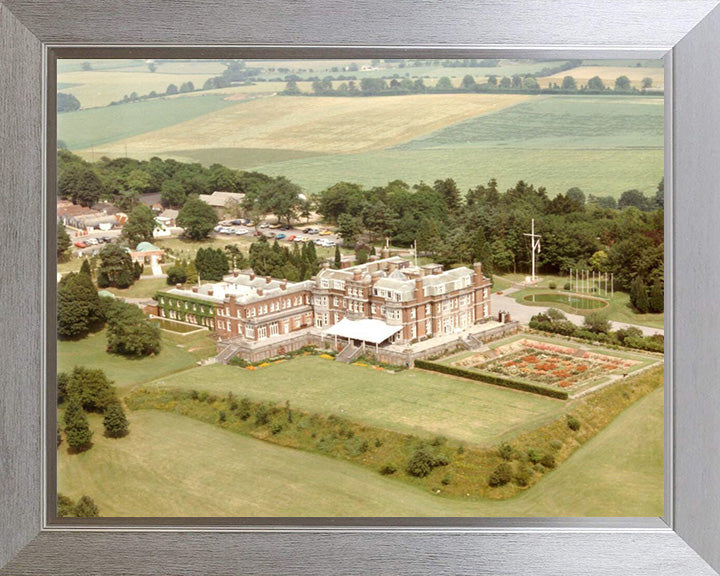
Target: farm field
x: 100, y: 87
x: 578, y: 122
x: 327, y: 125
x: 177, y: 353
x: 170, y: 465
x: 600, y: 172
x: 413, y: 401
x: 608, y: 74
x: 88, y: 128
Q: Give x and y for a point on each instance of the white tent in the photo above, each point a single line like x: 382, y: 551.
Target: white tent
x: 373, y: 331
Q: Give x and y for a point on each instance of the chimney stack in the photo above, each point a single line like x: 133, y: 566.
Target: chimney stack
x: 283, y: 284
x: 211, y: 292
x: 357, y: 275
x: 252, y: 275
x: 178, y: 286
x: 268, y: 279
x: 260, y: 291
x: 236, y: 273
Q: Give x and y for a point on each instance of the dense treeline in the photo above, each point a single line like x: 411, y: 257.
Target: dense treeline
x: 484, y: 224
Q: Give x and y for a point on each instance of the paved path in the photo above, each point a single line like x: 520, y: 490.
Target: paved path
x: 505, y: 301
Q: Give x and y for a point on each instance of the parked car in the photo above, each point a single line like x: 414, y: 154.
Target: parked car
x: 306, y: 230
x: 264, y: 225
x: 92, y: 242
x: 291, y: 237
x: 300, y: 239
x: 236, y: 222
x: 284, y: 227
x: 313, y: 231
x: 80, y: 244
x: 240, y: 231
x: 325, y: 233
x: 218, y: 228
x: 280, y: 236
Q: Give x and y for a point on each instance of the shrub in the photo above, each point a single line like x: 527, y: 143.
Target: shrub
x: 552, y: 285
x: 501, y: 475
x: 276, y: 429
x: 86, y: 508
x: 378, y: 443
x: 533, y: 455
x: 243, y: 411
x: 548, y: 460
x: 421, y: 462
x: 357, y: 446
x: 438, y: 441
x: 556, y: 444
x: 505, y: 451
x: 566, y: 286
x: 573, y: 423
x: 222, y: 417
x: 194, y: 394
x: 115, y: 421
x: 388, y: 469
x: 597, y: 323
x: 446, y: 480
x: 555, y: 315
x: 523, y: 475
x: 262, y: 415
x: 203, y: 396
x: 65, y: 506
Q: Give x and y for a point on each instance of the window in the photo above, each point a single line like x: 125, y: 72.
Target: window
x: 249, y: 331
x: 428, y: 309
x: 274, y: 329
x: 412, y: 313
x: 262, y: 332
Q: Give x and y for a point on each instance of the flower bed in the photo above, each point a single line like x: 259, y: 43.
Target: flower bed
x: 546, y: 363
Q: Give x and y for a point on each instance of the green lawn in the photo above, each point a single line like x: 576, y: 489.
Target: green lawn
x: 619, y: 309
x: 142, y: 288
x: 95, y: 126
x: 411, y: 401
x: 177, y: 353
x: 170, y: 465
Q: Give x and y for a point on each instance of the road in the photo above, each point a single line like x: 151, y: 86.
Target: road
x: 522, y: 313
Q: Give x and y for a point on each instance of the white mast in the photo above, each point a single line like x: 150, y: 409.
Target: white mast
x: 534, y: 247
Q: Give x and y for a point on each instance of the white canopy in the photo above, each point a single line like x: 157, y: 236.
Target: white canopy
x: 374, y: 331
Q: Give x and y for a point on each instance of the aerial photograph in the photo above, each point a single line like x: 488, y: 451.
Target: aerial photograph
x: 359, y: 288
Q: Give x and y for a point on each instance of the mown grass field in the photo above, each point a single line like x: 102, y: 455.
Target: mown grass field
x: 142, y: 288
x: 90, y: 128
x: 177, y: 353
x: 411, y: 401
x: 328, y: 125
x: 170, y: 465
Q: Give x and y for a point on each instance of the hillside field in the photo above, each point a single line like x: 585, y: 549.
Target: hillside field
x: 411, y: 401
x: 170, y: 465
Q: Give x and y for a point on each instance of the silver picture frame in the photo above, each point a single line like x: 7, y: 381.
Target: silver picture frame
x: 33, y: 34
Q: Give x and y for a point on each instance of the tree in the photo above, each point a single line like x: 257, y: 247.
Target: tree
x: 646, y: 83
x: 660, y: 195
x: 443, y: 83
x: 79, y: 308
x: 622, y: 84
x: 192, y: 273
x: 63, y: 241
x: 67, y: 103
x: 115, y: 421
x: 211, y: 264
x: 450, y: 194
x: 176, y: 275
x: 77, y: 430
x: 633, y: 198
x: 187, y: 87
x: 90, y: 387
x: 595, y: 83
x: 291, y: 89
x: 348, y: 229
x: 86, y: 508
x: 116, y: 267
x: 282, y: 198
x: 338, y: 257
x: 576, y: 195
x: 172, y: 193
x: 638, y: 296
x: 197, y: 218
x: 657, y: 298
x: 568, y: 83
x: 139, y: 226
x: 171, y: 89
x: 468, y: 82
x: 129, y: 332
x: 597, y: 322
x: 79, y: 183
x: 65, y: 506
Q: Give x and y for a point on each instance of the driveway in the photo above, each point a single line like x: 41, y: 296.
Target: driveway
x: 522, y: 313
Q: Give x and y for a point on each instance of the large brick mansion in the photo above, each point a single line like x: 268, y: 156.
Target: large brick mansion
x: 383, y: 301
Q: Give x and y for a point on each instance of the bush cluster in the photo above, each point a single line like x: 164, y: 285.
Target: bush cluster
x: 424, y: 460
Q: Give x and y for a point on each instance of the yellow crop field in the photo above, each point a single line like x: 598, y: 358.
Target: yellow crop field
x: 608, y: 74
x: 98, y: 88
x: 328, y: 125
